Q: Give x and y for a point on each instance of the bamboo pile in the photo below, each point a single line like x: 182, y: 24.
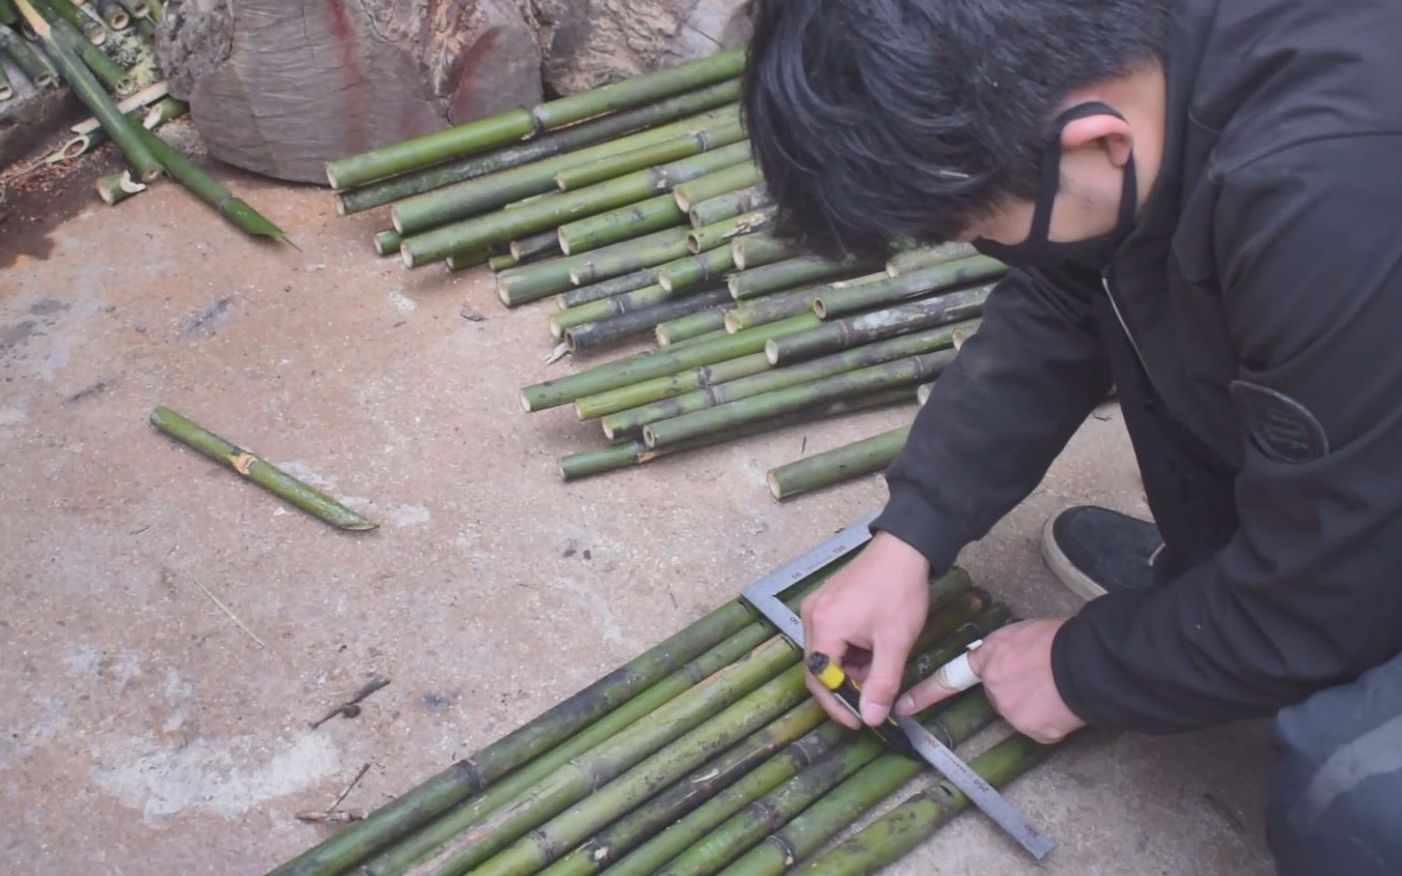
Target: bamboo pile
x: 103, y: 52
x: 704, y: 754
x: 637, y: 208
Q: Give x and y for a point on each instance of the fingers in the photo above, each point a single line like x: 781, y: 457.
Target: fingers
x: 933, y: 691
x: 883, y: 681
x: 835, y: 709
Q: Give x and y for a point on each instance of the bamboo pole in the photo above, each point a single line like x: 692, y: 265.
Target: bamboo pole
x: 90, y: 28
x: 386, y: 242
x: 734, y: 178
x: 650, y: 251
x: 900, y: 831
x: 729, y: 204
x: 757, y: 250
x: 437, y: 243
x: 607, y: 288
x: 657, y: 363
x: 550, y: 145
x: 535, y: 749
x: 595, y: 334
x: 722, y: 232
x: 630, y: 453
x: 686, y: 145
x: 531, y: 246
x: 780, y: 305
x: 103, y: 68
x: 533, y: 282
x: 641, y: 89
x: 651, y: 858
x: 114, y: 188
x: 758, y: 281
x: 927, y: 257
x: 878, y: 325
x: 602, y: 404
x: 259, y: 471
x: 693, y: 270
x: 477, y: 196
x: 122, y: 130
x: 430, y: 149
x: 463, y: 261
x: 918, y: 283
x: 137, y: 8
x: 685, y: 328
x: 593, y: 232
x: 747, y: 715
x: 26, y: 60
x: 607, y: 308
x: 887, y: 375
x: 630, y: 422
x: 113, y: 14
x: 837, y: 465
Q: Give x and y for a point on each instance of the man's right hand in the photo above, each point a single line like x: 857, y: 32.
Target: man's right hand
x: 867, y: 617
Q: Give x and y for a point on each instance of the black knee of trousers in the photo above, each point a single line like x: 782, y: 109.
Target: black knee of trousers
x: 1335, y: 796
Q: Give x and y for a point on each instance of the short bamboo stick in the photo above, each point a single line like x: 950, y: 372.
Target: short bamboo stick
x: 641, y: 393
x: 551, y: 145
x: 878, y: 325
x: 927, y: 257
x: 722, y: 232
x: 694, y: 325
x: 114, y: 188
x: 386, y: 242
x: 757, y: 250
x: 259, y: 471
x: 541, y: 244
x: 603, y: 169
x: 533, y: 282
x: 607, y: 288
x: 729, y: 204
x: 463, y: 261
x: 694, y: 270
x: 658, y: 363
x: 739, y: 176
x: 797, y: 271
x: 780, y: 305
x: 595, y: 334
x: 914, y: 284
x: 837, y: 465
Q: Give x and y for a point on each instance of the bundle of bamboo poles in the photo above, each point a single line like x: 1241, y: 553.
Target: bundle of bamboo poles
x: 637, y: 207
x: 704, y: 754
x: 103, y: 52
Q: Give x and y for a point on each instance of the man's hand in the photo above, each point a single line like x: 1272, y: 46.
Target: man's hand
x: 1015, y: 666
x: 867, y: 618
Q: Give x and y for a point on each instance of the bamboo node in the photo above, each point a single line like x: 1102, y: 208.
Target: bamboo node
x: 242, y: 462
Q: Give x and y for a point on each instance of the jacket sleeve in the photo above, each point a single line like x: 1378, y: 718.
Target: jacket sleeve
x: 1000, y: 414
x: 1308, y: 593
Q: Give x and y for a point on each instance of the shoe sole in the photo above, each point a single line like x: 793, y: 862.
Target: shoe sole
x: 1076, y: 581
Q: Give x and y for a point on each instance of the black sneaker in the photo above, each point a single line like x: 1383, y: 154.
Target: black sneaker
x: 1095, y: 551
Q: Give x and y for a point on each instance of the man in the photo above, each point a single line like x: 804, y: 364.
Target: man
x: 1203, y: 204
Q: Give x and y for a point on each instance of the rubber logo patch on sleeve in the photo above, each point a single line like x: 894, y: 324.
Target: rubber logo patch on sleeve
x: 1282, y: 428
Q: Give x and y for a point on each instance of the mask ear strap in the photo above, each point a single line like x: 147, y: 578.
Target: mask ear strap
x: 1051, y: 169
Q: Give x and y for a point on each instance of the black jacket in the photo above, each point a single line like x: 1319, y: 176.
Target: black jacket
x: 1253, y: 325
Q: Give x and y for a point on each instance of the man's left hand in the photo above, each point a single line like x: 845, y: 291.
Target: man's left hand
x: 1014, y: 664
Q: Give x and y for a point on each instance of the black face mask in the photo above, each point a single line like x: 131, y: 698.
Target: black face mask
x: 1040, y: 251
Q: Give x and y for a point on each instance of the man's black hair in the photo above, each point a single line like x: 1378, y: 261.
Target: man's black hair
x: 877, y: 121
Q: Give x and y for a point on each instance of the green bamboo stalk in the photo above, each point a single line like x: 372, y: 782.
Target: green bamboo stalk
x: 615, y: 457
x: 757, y: 281
x: 595, y: 334
x: 534, y: 245
x: 7, y: 13
x: 699, y: 339
x: 386, y: 242
x: 805, y: 829
x: 572, y: 726
x: 90, y: 28
x: 477, y: 196
x: 739, y: 176
x: 621, y: 399
x: 125, y: 133
x: 552, y: 212
x: 496, y: 264
x: 658, y: 363
x: 878, y: 325
x: 137, y: 8
x: 209, y: 190
x: 722, y: 232
x: 607, y: 308
x: 729, y: 204
x: 629, y: 423
x: 694, y: 325
x: 602, y: 169
x: 640, y: 89
x: 691, y: 791
x: 910, y: 260
x: 656, y: 248
x: 837, y: 465
x: 463, y: 261
x: 429, y: 149
x: 912, y: 284
x: 257, y: 470
x: 103, y: 68
x: 155, y: 7
x: 26, y: 60
x: 608, y: 288
x: 900, y: 372
x: 693, y: 270
x: 652, y: 856
x: 113, y: 14
x: 780, y: 305
x: 615, y: 225
x: 114, y: 188
x: 757, y: 250
x: 550, y: 145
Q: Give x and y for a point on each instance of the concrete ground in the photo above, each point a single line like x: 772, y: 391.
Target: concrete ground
x: 144, y: 731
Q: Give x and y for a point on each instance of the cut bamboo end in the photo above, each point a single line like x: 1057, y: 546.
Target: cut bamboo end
x: 648, y: 438
x: 557, y: 331
x: 666, y: 281
x: 775, y: 489
x: 117, y: 19
x: 693, y: 243
x: 732, y: 322
x: 695, y: 218
x: 568, y: 249
x: 404, y: 254
x: 331, y: 178
x: 737, y: 255
x: 117, y: 187
x: 395, y: 220
x: 733, y: 285
x: 341, y: 206
x: 664, y: 339
x: 6, y: 92
x: 820, y: 308
x: 771, y: 352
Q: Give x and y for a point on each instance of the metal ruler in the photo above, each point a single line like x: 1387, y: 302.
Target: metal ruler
x: 764, y: 596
